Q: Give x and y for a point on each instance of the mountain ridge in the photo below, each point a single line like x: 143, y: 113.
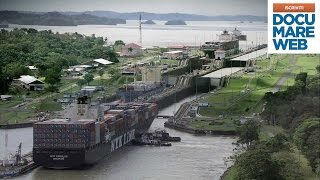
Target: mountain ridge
x: 164, y: 16
x: 56, y: 19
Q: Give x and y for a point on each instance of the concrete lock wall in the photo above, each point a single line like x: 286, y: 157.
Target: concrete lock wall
x: 202, y: 85
x: 170, y: 80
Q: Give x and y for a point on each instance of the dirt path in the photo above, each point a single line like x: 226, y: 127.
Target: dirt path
x: 284, y: 77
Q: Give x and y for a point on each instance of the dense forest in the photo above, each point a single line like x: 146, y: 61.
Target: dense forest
x: 56, y: 19
x: 48, y: 51
x: 297, y: 111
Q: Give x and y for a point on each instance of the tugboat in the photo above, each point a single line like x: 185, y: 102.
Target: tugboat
x: 146, y: 139
x: 164, y: 136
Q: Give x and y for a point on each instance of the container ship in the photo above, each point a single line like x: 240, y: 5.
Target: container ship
x: 226, y: 45
x: 89, y: 132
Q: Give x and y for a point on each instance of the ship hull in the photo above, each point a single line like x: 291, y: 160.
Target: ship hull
x: 70, y: 158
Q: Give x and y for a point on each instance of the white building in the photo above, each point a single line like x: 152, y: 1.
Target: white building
x: 173, y: 54
x: 101, y: 62
x: 78, y: 70
x: 32, y: 68
x: 30, y: 83
x: 220, y: 54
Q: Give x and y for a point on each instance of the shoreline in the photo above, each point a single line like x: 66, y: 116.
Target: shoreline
x: 198, y: 131
x: 16, y: 126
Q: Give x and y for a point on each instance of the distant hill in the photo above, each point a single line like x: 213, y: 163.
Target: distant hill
x: 170, y: 16
x: 56, y: 19
x: 148, y: 22
x: 175, y: 22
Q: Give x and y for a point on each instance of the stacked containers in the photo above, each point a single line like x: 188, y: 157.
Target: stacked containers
x: 131, y: 114
x: 103, y: 131
x: 97, y: 132
x: 123, y: 116
x: 63, y: 133
x: 153, y: 108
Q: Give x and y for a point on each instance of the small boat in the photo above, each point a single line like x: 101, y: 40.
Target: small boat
x: 143, y: 142
x: 164, y: 136
x: 146, y: 140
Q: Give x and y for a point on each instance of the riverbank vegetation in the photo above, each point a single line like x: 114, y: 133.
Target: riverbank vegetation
x: 287, y: 145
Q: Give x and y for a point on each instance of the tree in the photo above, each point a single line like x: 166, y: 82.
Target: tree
x: 81, y: 82
x: 248, y: 132
x: 112, y: 71
x: 256, y: 164
x: 4, y: 82
x: 53, y: 77
x: 119, y: 43
x: 289, y: 167
x: 113, y: 56
x: 15, y: 70
x: 318, y: 68
x: 88, y: 77
x: 278, y: 143
x: 101, y: 72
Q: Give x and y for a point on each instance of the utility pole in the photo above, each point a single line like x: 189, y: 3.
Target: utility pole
x: 140, y: 29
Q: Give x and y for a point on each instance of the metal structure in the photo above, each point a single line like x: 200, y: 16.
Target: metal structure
x: 140, y: 29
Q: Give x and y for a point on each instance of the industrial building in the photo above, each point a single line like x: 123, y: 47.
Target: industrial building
x: 152, y: 74
x: 101, y: 62
x: 247, y: 59
x: 173, y: 55
x: 78, y: 70
x: 217, y: 78
x: 30, y: 83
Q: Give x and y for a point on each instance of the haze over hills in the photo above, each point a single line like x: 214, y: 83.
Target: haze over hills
x: 107, y: 17
x: 56, y: 19
x: 169, y: 16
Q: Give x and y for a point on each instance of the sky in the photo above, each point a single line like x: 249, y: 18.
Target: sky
x: 201, y: 7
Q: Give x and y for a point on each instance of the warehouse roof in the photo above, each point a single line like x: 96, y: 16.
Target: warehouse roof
x: 131, y: 45
x: 103, y: 61
x: 173, y: 52
x: 251, y: 55
x: 29, y: 79
x: 223, y: 72
x: 5, y: 97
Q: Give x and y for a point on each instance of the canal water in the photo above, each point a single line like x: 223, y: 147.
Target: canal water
x: 195, y: 157
x: 194, y: 33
